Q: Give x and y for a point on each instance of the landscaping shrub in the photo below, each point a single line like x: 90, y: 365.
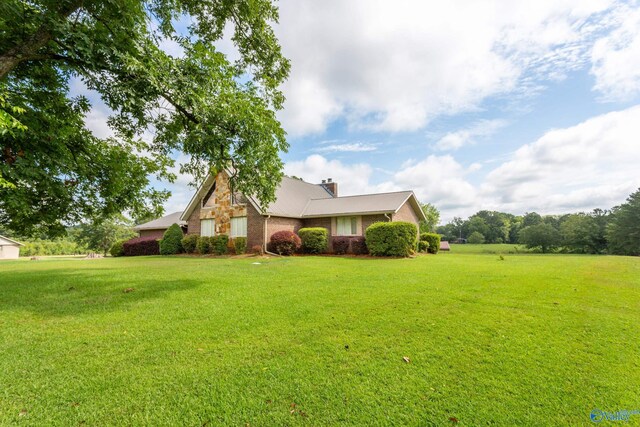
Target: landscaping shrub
x: 284, y: 242
x: 240, y: 245
x: 117, y: 249
x: 141, y: 246
x: 359, y: 246
x: 434, y: 241
x: 423, y: 246
x: 220, y: 244
x: 341, y: 245
x: 203, y: 245
x: 391, y: 238
x: 314, y: 239
x: 171, y: 242
x: 189, y: 243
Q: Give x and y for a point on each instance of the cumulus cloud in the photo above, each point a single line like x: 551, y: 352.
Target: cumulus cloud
x: 480, y: 129
x: 351, y: 178
x: 592, y: 164
x: 393, y: 66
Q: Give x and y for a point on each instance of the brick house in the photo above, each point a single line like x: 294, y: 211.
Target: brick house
x: 214, y: 209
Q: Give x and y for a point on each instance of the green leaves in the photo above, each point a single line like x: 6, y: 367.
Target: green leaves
x: 217, y: 113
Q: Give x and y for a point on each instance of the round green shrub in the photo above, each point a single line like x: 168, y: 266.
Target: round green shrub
x: 203, y: 245
x: 220, y: 244
x: 423, y: 246
x: 434, y: 241
x: 189, y: 243
x: 117, y: 249
x: 391, y: 238
x: 314, y: 239
x: 240, y: 245
x: 171, y: 242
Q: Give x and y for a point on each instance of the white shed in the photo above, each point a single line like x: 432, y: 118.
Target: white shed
x: 9, y: 249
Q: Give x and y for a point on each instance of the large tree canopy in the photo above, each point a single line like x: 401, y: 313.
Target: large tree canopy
x: 53, y: 170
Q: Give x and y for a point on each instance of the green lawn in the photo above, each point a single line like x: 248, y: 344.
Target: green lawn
x: 528, y: 340
x: 489, y: 248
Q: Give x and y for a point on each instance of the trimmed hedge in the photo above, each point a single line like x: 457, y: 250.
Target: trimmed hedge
x: 203, y: 245
x: 359, y: 246
x: 141, y: 246
x: 240, y: 245
x: 284, y: 242
x: 171, y: 242
x: 189, y: 243
x: 117, y: 249
x: 391, y: 238
x: 341, y: 245
x: 314, y: 240
x: 220, y: 244
x: 423, y: 246
x: 434, y: 242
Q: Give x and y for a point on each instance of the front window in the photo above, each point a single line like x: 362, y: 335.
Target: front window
x: 239, y: 227
x: 347, y: 226
x: 207, y: 227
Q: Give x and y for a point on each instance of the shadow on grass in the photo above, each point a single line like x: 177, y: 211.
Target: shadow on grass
x: 63, y: 292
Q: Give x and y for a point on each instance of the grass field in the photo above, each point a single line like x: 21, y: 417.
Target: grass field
x: 528, y: 340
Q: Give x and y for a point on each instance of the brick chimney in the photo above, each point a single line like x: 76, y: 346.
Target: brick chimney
x: 331, y: 186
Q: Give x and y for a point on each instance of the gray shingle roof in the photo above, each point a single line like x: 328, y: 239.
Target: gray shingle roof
x: 292, y: 197
x: 362, y: 204
x: 162, y: 223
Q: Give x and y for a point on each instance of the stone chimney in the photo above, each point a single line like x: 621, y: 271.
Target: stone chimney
x: 331, y: 186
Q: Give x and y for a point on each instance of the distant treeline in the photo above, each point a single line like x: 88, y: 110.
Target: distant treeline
x: 615, y: 231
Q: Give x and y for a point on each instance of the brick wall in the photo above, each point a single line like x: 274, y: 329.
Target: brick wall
x: 276, y: 223
x: 318, y: 222
x: 367, y: 220
x: 193, y: 223
x: 406, y: 213
x: 255, y: 227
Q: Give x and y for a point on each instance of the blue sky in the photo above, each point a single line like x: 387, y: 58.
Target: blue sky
x: 513, y: 106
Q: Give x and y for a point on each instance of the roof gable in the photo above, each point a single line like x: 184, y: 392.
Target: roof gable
x: 5, y: 241
x: 161, y: 223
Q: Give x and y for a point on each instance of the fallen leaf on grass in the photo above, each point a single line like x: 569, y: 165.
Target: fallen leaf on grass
x: 406, y: 359
x: 23, y: 413
x: 453, y: 419
x: 126, y: 291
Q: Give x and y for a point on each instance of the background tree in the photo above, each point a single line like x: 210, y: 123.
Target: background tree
x: 623, y: 231
x: 100, y: 236
x: 475, y: 238
x: 53, y: 171
x: 541, y: 235
x: 433, y: 218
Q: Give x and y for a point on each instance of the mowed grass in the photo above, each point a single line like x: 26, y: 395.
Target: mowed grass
x: 489, y: 248
x: 528, y: 340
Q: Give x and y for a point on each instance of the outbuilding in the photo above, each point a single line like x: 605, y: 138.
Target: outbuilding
x: 9, y: 249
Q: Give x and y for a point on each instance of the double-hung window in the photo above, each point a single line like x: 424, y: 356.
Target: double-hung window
x: 207, y: 227
x: 239, y: 227
x: 347, y: 226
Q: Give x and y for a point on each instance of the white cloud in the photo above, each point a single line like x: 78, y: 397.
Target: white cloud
x: 616, y: 58
x: 592, y: 164
x: 353, y: 147
x: 480, y: 129
x: 393, y: 66
x: 351, y: 179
